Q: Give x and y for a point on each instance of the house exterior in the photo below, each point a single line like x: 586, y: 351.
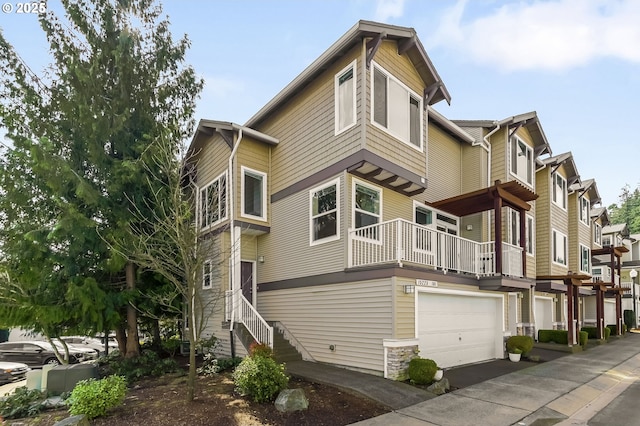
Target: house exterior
x: 363, y: 225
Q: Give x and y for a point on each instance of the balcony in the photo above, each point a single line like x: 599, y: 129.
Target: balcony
x: 402, y: 242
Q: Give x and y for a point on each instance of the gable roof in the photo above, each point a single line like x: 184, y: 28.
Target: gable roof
x: 449, y: 126
x: 616, y: 228
x: 565, y: 158
x: 587, y: 186
x: 528, y: 120
x: 408, y: 43
x: 226, y: 130
x: 597, y: 212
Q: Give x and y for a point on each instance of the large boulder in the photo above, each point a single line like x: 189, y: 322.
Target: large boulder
x: 290, y: 400
x: 78, y: 420
x: 439, y: 388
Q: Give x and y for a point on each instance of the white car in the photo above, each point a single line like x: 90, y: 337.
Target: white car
x: 89, y: 342
x: 12, y: 371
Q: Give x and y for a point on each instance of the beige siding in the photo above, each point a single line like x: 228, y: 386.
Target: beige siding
x: 499, y: 156
x: 473, y: 168
x: 287, y: 250
x: 445, y: 166
x: 405, y: 311
x: 353, y: 317
x: 212, y: 159
x: 378, y: 140
x: 305, y: 127
x: 255, y: 156
x: 543, y: 223
x: 559, y: 222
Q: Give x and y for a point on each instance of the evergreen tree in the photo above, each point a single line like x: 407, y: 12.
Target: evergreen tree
x: 76, y: 173
x: 628, y: 211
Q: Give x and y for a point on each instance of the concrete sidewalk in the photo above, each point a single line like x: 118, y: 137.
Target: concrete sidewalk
x: 566, y: 391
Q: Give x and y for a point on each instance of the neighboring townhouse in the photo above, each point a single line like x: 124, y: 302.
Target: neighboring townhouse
x: 515, y: 144
x: 558, y: 284
x: 629, y: 275
x: 359, y: 222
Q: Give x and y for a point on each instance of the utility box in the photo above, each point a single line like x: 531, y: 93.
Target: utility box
x: 63, y: 378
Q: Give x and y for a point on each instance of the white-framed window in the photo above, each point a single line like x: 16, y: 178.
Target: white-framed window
x: 207, y: 275
x: 514, y: 228
x: 606, y: 240
x: 396, y: 108
x: 559, y: 190
x: 367, y: 208
x: 559, y: 251
x: 531, y: 232
x: 422, y: 216
x: 254, y: 194
x: 584, y: 210
x: 213, y: 202
x: 324, y: 208
x: 585, y: 258
x: 521, y: 160
x: 345, y: 98
x: 597, y: 233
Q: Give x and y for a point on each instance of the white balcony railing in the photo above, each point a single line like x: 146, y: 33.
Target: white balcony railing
x: 399, y: 241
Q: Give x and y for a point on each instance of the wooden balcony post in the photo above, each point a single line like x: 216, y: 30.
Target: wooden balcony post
x: 523, y: 241
x: 497, y: 223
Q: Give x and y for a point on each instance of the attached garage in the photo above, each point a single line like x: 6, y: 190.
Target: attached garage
x: 456, y: 328
x: 609, y: 312
x: 543, y: 313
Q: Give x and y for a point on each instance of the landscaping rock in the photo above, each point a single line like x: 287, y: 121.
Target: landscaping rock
x: 290, y: 400
x: 439, y: 388
x: 79, y: 420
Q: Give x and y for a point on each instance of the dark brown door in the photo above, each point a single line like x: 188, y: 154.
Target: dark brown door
x: 246, y: 280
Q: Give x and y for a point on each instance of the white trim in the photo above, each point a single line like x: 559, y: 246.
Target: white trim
x: 587, y: 220
x: 529, y: 148
x: 204, y: 265
x: 565, y: 192
x: 353, y: 66
x: 244, y: 171
x: 335, y: 182
x: 533, y: 234
x: 580, y: 247
x: 410, y: 94
x: 566, y: 248
x: 355, y: 182
x: 226, y: 199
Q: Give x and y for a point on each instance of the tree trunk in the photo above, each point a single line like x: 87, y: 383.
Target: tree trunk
x: 191, y: 381
x: 133, y: 341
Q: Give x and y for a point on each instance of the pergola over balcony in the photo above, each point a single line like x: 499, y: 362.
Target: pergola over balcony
x: 509, y: 194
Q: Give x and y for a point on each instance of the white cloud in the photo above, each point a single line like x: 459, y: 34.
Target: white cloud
x: 386, y: 9
x: 552, y: 35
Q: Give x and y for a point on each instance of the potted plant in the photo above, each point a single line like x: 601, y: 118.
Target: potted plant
x: 515, y: 354
x: 438, y: 375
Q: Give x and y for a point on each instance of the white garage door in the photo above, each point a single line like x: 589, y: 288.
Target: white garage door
x: 609, y: 312
x: 458, y: 329
x: 544, y: 313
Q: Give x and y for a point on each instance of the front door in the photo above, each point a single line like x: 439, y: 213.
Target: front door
x: 246, y: 280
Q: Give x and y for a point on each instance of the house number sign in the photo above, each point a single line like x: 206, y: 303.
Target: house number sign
x: 426, y: 283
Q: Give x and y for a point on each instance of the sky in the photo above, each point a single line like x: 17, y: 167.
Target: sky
x: 575, y: 62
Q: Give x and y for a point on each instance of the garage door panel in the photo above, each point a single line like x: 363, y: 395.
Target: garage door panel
x: 455, y: 330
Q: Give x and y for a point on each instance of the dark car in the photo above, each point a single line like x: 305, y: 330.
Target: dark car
x: 12, y: 371
x: 36, y: 353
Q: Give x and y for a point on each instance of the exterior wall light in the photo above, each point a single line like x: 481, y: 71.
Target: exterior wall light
x: 409, y: 289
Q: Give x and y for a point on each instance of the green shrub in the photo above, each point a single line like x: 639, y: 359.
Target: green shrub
x: 260, y: 377
x: 553, y: 336
x: 171, y: 345
x: 422, y: 370
x: 94, y: 398
x: 614, y: 329
x: 584, y: 338
x: 629, y: 319
x: 22, y: 402
x: 591, y: 331
x: 524, y: 343
x: 607, y: 332
x: 225, y: 364
x: 147, y: 364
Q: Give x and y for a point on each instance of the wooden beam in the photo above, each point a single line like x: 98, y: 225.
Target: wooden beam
x: 372, y: 47
x: 406, y: 44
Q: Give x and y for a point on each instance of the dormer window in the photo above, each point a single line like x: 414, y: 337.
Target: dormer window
x: 396, y: 108
x: 559, y: 190
x: 521, y: 160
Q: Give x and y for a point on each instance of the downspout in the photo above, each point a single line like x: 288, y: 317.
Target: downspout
x: 232, y: 230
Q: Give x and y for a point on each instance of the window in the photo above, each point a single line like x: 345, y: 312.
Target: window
x: 521, y: 160
x: 584, y: 210
x: 606, y: 240
x: 531, y: 232
x: 514, y: 228
x: 422, y: 216
x: 324, y: 210
x: 213, y: 202
x: 585, y: 258
x: 597, y: 234
x: 559, y: 190
x: 395, y: 108
x: 367, y: 208
x: 254, y: 194
x: 206, y: 274
x: 345, y: 94
x: 559, y: 248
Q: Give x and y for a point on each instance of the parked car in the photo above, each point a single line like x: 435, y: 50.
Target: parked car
x: 89, y: 342
x: 36, y: 353
x: 12, y: 372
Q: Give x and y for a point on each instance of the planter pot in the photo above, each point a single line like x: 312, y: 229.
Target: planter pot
x: 514, y: 357
x: 438, y: 376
